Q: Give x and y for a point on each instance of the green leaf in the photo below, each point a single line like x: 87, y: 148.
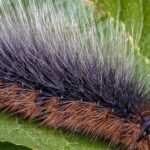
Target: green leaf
x: 127, y: 11
x: 29, y: 134
x: 109, y: 6
x: 145, y: 38
x: 135, y: 14
x: 10, y: 146
x: 132, y: 15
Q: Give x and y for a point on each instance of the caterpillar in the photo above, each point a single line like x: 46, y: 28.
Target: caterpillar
x: 63, y: 68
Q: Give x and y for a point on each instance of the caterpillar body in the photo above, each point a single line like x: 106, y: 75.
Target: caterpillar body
x: 62, y: 68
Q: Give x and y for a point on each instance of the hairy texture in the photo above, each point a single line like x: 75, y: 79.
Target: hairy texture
x: 76, y: 116
x: 61, y: 67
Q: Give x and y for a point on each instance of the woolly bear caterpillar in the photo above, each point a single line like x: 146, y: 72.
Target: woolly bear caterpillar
x: 59, y: 66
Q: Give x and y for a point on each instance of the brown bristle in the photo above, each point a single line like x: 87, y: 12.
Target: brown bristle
x: 7, y: 95
x: 28, y: 107
x: 23, y: 104
x: 74, y: 115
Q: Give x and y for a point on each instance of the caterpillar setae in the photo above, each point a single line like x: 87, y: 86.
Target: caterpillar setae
x: 60, y: 66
